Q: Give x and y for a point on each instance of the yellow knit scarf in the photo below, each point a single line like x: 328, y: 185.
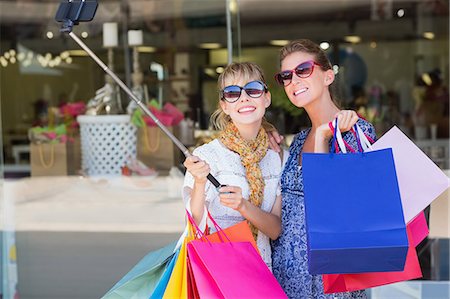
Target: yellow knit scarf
x: 251, y: 153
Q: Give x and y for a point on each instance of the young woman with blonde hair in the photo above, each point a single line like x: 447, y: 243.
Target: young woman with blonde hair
x: 239, y: 158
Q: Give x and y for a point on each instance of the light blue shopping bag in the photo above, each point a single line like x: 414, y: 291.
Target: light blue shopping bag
x: 142, y: 279
x: 164, y: 280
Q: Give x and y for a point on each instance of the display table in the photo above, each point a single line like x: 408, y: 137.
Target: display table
x: 120, y: 204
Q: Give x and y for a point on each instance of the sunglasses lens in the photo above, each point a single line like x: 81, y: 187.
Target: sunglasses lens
x: 304, y: 70
x: 254, y: 89
x: 231, y: 93
x: 284, y: 78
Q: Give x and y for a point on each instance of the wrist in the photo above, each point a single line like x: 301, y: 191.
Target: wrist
x: 200, y: 182
x: 243, y: 207
x: 324, y: 134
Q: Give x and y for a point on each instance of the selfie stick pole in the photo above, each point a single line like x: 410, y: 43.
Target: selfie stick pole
x: 67, y: 28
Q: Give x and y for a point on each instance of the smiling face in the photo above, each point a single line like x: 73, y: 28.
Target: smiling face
x: 303, y: 91
x: 246, y: 110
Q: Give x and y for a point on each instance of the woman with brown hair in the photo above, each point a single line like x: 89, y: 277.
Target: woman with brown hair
x: 306, y: 74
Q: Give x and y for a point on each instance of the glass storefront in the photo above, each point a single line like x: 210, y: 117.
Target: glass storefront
x: 391, y: 58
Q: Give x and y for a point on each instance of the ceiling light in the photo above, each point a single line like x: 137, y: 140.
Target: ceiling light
x: 335, y: 69
x: 354, y: 39
x: 233, y: 6
x: 373, y: 45
x: 210, y: 72
x: 324, y: 45
x: 209, y: 46
x: 21, y: 56
x: 12, y: 52
x: 49, y: 35
x: 220, y: 70
x: 143, y: 49
x: 84, y: 34
x: 279, y: 42
x: 12, y: 60
x: 400, y: 12
x: 428, y: 35
x: 68, y: 60
x: 427, y: 79
x: 7, y: 55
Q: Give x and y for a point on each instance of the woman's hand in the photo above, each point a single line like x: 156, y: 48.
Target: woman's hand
x: 346, y: 120
x: 231, y: 196
x: 275, y: 139
x: 198, y: 168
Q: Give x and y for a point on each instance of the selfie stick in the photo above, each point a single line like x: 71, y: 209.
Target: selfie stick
x: 70, y: 13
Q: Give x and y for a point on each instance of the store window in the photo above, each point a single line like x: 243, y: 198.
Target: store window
x: 392, y: 63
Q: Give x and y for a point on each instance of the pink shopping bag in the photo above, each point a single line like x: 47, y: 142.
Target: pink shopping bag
x: 420, y: 180
x: 230, y: 269
x: 419, y: 228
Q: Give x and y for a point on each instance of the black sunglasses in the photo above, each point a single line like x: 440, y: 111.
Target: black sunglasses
x: 303, y: 70
x: 254, y: 89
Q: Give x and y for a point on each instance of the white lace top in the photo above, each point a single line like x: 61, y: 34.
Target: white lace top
x: 226, y: 167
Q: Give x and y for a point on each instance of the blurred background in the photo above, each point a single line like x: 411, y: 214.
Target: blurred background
x: 75, y: 235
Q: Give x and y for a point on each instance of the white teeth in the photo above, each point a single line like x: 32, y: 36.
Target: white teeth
x: 300, y: 91
x: 246, y: 109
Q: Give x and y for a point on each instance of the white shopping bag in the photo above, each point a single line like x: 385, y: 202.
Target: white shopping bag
x: 419, y: 179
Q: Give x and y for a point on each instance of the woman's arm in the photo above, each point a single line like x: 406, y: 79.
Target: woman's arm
x: 199, y: 170
x: 268, y: 223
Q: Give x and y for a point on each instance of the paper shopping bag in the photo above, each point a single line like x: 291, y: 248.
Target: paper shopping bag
x: 142, y: 278
x: 160, y: 288
x: 419, y: 228
x: 354, y: 217
x: 156, y: 150
x: 231, y: 270
x: 440, y: 216
x: 228, y: 269
x: 239, y: 232
x: 336, y: 283
x: 177, y: 285
x: 420, y: 180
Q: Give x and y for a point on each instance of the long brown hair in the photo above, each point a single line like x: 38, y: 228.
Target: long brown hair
x: 237, y: 70
x: 309, y: 47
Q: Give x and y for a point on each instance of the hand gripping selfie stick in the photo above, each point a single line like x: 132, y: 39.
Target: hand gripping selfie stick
x: 70, y: 13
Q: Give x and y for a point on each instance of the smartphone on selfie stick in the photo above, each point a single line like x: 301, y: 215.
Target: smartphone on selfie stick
x: 70, y: 13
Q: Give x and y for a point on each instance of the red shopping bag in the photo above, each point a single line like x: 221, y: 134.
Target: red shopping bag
x: 335, y: 283
x: 230, y: 269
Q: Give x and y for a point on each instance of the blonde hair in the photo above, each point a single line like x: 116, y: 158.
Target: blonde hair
x: 245, y: 71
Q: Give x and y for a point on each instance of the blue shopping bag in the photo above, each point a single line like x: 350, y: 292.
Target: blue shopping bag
x: 164, y: 280
x: 142, y: 279
x: 354, y: 216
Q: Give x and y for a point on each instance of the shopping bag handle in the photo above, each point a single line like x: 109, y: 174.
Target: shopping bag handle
x: 198, y: 234
x: 338, y: 143
x: 218, y: 228
x: 201, y: 234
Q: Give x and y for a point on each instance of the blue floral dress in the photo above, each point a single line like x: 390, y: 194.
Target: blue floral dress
x: 289, y: 255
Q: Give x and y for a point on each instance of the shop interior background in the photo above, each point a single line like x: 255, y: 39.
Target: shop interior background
x: 391, y: 58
